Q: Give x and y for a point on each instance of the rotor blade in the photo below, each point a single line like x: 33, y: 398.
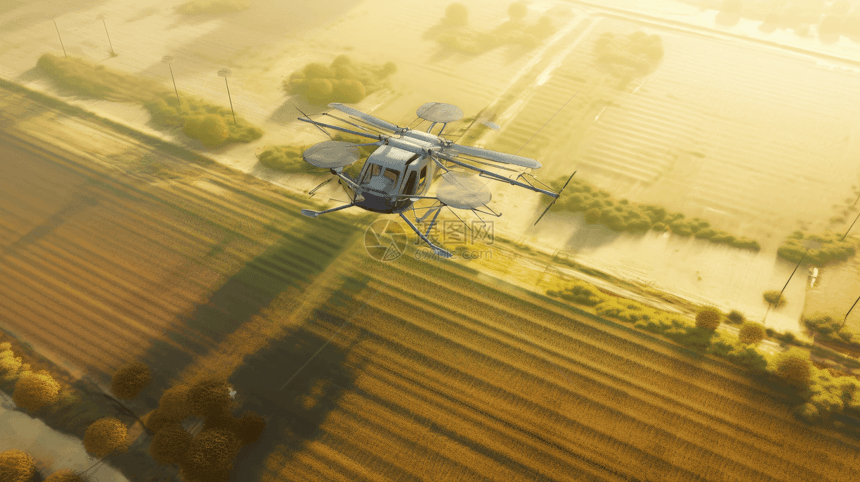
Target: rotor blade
x: 494, y: 176
x: 368, y: 124
x: 309, y: 118
x: 352, y: 123
x: 554, y: 200
x: 367, y: 117
x: 497, y: 156
x: 487, y: 164
x: 348, y: 131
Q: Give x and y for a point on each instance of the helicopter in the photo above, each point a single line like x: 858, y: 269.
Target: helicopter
x: 401, y: 170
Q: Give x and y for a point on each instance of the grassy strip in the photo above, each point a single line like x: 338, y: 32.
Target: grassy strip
x: 623, y: 216
x: 289, y: 158
x: 828, y: 328
x: 674, y: 326
x: 211, y: 124
x: 832, y: 249
x: 824, y: 395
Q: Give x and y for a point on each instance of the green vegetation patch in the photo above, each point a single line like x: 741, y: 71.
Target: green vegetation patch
x: 774, y: 298
x: 672, y: 325
x: 623, y: 216
x: 638, y: 50
x: 289, y: 158
x: 832, y: 249
x: 515, y: 31
x: 211, y: 124
x: 345, y: 80
x: 831, y: 329
x: 212, y: 7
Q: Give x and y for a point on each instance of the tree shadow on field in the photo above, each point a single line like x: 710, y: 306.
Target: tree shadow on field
x: 296, y: 382
x: 589, y: 236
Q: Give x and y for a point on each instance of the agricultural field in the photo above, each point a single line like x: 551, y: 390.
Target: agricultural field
x: 122, y: 239
x: 460, y: 377
x: 644, y: 140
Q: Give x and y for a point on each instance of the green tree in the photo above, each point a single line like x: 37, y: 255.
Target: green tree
x: 130, y: 379
x: 736, y: 317
x: 774, y: 298
x: 106, y: 436
x: 456, y: 14
x: 16, y: 466
x: 35, y: 390
x: 173, y: 404
x: 708, y: 318
x: 65, y: 475
x: 170, y: 445
x: 209, y: 397
x: 210, y: 456
x: 751, y: 333
x: 592, y: 216
x: 794, y: 367
x: 9, y: 363
x: 210, y: 129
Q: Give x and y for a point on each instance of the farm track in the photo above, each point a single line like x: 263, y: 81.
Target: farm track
x: 575, y: 396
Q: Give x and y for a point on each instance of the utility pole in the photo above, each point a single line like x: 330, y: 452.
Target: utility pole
x: 810, y: 244
x: 168, y: 59
x: 112, y: 53
x: 61, y: 39
x: 226, y: 73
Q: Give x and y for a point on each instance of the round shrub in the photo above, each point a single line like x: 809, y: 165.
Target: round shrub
x: 211, y: 452
x: 319, y: 91
x: 592, y: 216
x: 210, y: 129
x: 660, y: 227
x: 65, y: 475
x: 751, y: 333
x: 9, y: 363
x: 794, y: 367
x: 106, y: 436
x: 456, y: 14
x: 736, y: 317
x: 35, y: 390
x: 209, y: 397
x: 518, y: 10
x: 708, y: 318
x: 774, y: 298
x: 348, y: 91
x: 17, y: 466
x: 170, y: 445
x: 130, y: 379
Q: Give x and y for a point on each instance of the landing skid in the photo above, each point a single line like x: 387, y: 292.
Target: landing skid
x: 436, y: 249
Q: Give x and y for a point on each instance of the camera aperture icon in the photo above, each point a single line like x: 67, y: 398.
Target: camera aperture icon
x: 385, y: 240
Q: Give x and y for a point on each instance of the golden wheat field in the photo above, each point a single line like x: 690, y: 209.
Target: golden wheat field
x: 432, y: 371
x: 120, y: 241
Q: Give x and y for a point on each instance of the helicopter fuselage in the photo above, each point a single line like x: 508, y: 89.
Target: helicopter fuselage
x: 391, y: 175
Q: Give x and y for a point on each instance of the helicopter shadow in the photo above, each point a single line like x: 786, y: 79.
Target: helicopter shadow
x: 296, y: 385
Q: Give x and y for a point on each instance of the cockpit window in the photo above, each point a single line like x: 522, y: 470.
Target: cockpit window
x: 372, y: 171
x: 392, y: 175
